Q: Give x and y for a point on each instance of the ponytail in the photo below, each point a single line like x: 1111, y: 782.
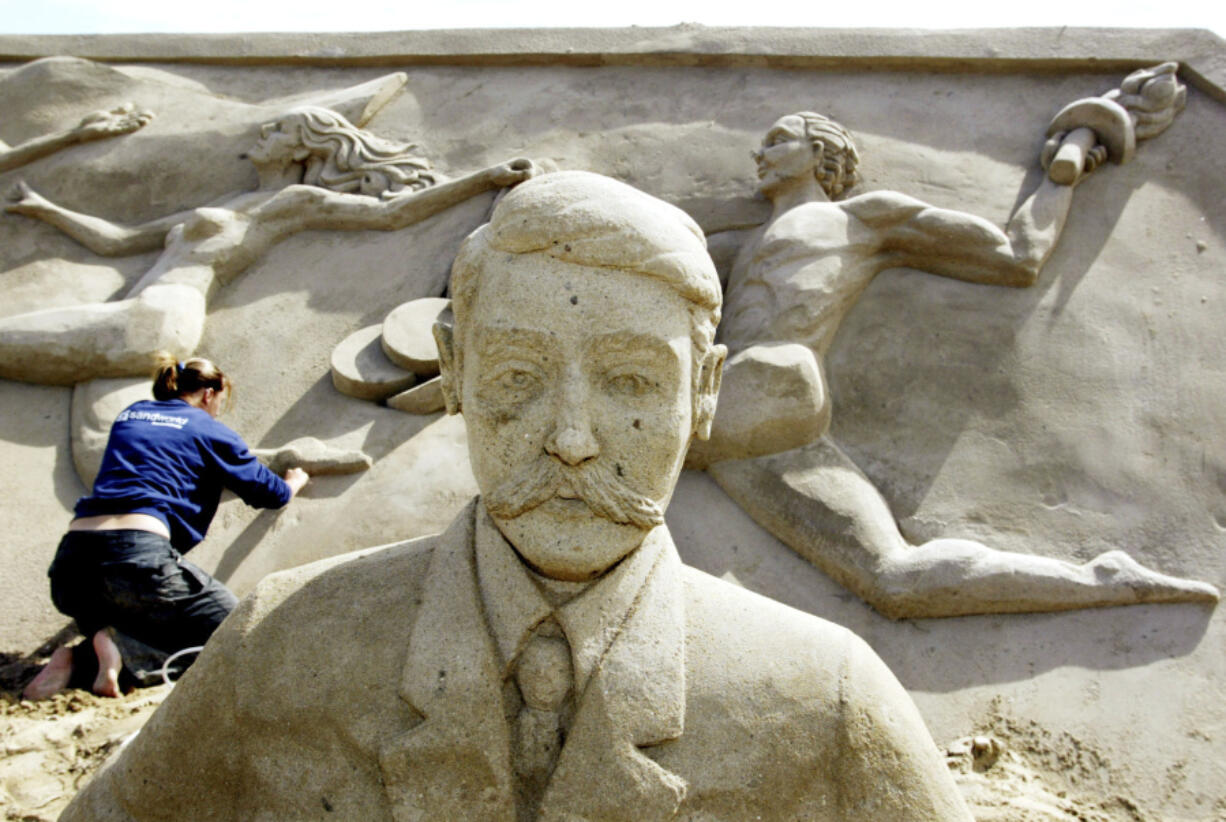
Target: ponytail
x: 178, y: 378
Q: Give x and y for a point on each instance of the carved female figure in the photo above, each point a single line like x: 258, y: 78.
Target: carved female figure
x: 316, y: 171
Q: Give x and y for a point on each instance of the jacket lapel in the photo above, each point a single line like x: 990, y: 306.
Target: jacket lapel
x: 456, y: 763
x: 634, y: 699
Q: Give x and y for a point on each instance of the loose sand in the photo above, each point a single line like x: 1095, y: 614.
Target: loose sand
x: 1012, y: 772
x: 51, y: 747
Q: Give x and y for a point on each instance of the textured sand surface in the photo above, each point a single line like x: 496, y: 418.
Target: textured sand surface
x: 1080, y: 415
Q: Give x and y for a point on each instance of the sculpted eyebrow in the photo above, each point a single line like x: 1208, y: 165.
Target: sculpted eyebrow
x: 629, y: 341
x: 502, y: 342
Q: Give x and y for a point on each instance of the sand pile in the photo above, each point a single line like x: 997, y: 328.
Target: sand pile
x: 50, y: 747
x: 1019, y: 772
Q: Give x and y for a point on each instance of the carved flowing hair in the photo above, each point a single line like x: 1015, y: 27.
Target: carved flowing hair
x: 837, y: 171
x: 343, y: 157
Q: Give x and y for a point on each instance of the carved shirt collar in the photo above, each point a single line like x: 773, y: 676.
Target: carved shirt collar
x: 515, y: 605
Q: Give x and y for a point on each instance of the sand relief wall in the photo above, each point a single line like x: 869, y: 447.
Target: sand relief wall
x: 1070, y: 425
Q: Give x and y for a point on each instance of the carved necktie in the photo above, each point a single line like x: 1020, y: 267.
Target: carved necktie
x: 546, y: 682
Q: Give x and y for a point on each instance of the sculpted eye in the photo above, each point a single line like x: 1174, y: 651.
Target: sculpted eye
x: 629, y: 384
x: 510, y: 388
x: 516, y: 379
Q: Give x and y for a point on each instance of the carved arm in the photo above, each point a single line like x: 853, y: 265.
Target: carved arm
x: 99, y: 235
x: 1083, y: 134
x: 959, y: 245
x: 95, y: 126
x: 319, y: 208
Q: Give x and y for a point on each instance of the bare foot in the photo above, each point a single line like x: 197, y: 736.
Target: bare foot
x: 53, y: 678
x: 109, y: 663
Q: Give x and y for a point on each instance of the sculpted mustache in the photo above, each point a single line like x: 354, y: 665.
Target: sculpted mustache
x: 594, y: 482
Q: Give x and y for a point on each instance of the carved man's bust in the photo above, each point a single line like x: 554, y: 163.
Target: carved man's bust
x: 548, y: 656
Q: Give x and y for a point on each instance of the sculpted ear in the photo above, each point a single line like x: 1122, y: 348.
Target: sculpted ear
x: 449, y: 373
x: 706, y: 389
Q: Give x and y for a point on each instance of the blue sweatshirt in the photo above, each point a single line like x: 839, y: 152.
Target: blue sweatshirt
x: 171, y: 460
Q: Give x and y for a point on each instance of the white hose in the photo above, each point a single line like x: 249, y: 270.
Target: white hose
x: 166, y: 665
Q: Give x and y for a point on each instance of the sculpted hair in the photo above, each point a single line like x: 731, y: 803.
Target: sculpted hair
x: 837, y: 171
x: 173, y: 379
x: 595, y: 221
x: 346, y: 158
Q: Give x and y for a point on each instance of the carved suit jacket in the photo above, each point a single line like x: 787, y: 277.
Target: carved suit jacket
x: 366, y: 687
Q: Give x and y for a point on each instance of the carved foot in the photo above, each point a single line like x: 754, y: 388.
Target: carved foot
x: 22, y: 199
x: 1115, y: 569
x: 120, y: 120
x: 315, y: 457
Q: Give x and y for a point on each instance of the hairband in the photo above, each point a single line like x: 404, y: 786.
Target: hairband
x: 178, y: 368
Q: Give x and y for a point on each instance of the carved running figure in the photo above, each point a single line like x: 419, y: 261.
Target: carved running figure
x: 793, y: 281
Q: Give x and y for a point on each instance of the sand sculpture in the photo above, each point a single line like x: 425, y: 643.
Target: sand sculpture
x: 793, y: 281
x: 560, y: 663
x: 316, y: 171
x: 98, y: 125
x: 1070, y: 418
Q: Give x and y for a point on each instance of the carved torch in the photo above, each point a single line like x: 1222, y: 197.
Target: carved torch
x: 1086, y: 130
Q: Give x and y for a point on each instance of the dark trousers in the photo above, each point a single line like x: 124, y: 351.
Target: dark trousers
x: 136, y: 582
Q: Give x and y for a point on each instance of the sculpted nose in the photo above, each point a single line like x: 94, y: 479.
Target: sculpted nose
x: 572, y: 442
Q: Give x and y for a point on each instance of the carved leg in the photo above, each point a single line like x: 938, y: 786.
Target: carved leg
x: 821, y: 505
x: 62, y: 346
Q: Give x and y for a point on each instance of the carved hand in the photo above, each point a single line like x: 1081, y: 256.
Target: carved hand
x: 121, y: 120
x: 513, y: 172
x: 1094, y: 156
x: 1144, y: 105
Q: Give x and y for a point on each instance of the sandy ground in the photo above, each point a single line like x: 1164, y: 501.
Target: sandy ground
x: 1012, y: 772
x: 51, y: 747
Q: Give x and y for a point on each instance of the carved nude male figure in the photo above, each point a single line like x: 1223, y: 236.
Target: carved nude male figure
x: 791, y: 284
x: 548, y: 656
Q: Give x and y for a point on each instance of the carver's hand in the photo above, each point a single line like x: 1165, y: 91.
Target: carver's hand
x: 296, y: 479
